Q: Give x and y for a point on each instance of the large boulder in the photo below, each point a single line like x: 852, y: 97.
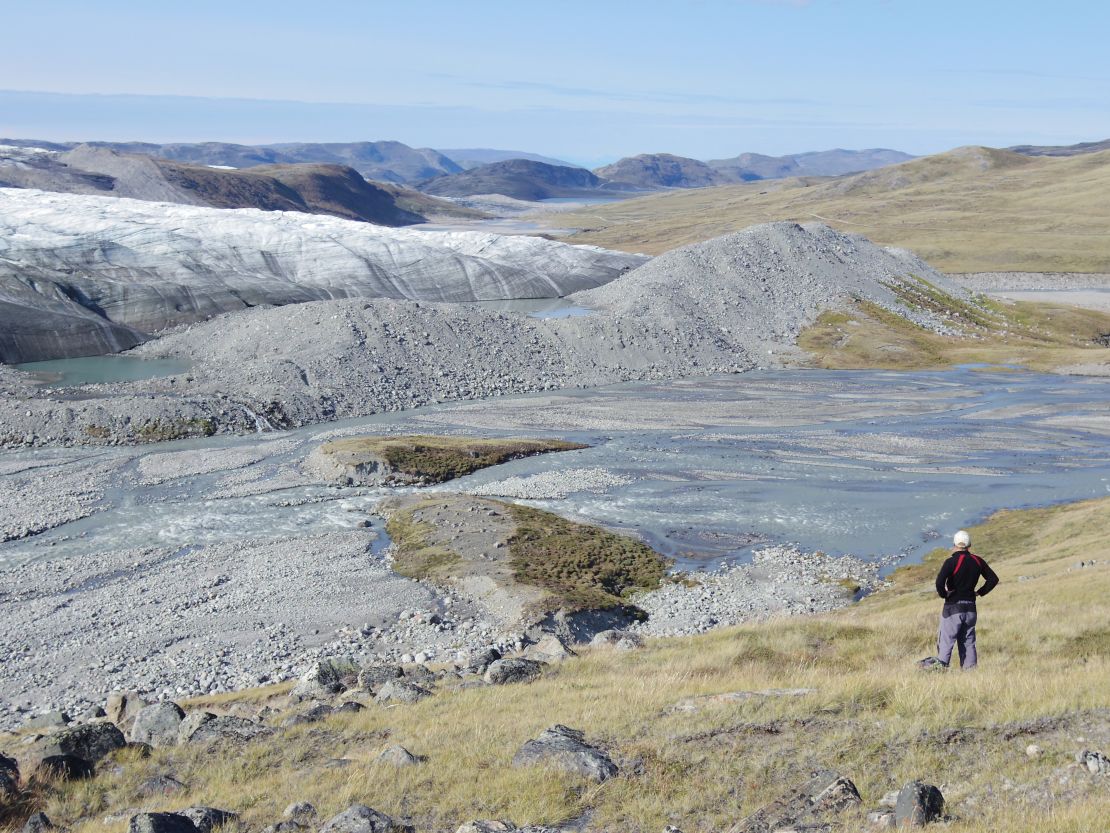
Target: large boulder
x: 619, y: 639
x: 91, y: 741
x: 375, y: 676
x: 158, y: 725
x: 399, y: 691
x: 207, y: 819
x: 122, y: 706
x: 397, y: 755
x: 358, y: 818
x: 808, y: 806
x: 205, y: 727
x: 48, y: 722
x: 62, y: 768
x: 161, y: 823
x: 312, y: 715
x: 513, y: 670
x: 566, y: 749
x: 918, y: 804
x: 549, y: 648
x: 326, y: 678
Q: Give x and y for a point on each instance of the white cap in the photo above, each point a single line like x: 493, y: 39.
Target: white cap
x: 961, y: 539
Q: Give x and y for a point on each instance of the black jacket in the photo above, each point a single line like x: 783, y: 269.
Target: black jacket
x: 959, y: 574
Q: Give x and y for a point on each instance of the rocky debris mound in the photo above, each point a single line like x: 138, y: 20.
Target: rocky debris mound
x: 513, y: 670
x: 358, y: 818
x: 809, y: 806
x: 566, y: 749
x: 158, y: 724
x: 918, y: 804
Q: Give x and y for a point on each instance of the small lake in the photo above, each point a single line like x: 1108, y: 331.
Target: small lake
x: 93, y: 370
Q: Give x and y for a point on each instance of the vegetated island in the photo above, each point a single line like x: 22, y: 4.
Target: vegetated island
x: 412, y: 460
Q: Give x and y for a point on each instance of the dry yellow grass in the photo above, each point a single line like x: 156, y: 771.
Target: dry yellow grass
x: 1044, y: 643
x: 968, y: 210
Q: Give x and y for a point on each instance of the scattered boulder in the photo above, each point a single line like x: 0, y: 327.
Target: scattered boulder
x: 62, y: 768
x: 396, y: 755
x: 809, y: 805
x: 205, y: 727
x: 566, y: 749
x: 160, y: 785
x: 37, y: 823
x: 161, y: 823
x: 371, y: 678
x: 1096, y: 762
x: 399, y: 691
x: 91, y: 741
x: 549, y: 648
x: 419, y: 672
x: 479, y: 660
x: 48, y: 722
x: 621, y: 640
x: 918, y: 804
x: 349, y: 707
x: 122, y: 706
x: 312, y: 715
x: 358, y: 818
x: 158, y: 724
x: 207, y: 819
x: 326, y: 678
x: 92, y: 713
x: 301, y: 812
x: 513, y: 670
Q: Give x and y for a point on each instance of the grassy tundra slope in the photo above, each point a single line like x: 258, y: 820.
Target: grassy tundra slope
x: 972, y: 209
x: 1043, y: 680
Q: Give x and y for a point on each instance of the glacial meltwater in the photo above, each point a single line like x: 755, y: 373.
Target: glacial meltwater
x: 869, y: 463
x: 91, y: 370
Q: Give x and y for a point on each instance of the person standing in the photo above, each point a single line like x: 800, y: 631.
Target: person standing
x: 956, y: 584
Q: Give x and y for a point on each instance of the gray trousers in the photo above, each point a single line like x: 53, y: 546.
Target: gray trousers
x: 957, y: 629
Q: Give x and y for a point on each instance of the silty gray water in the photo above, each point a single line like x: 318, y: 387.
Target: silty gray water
x: 864, y: 462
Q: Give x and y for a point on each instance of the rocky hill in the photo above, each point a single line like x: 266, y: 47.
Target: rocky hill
x: 1061, y: 150
x: 749, y: 167
x: 317, y: 189
x: 81, y: 275
x: 469, y: 158
x: 384, y: 161
x: 651, y: 171
x: 520, y: 179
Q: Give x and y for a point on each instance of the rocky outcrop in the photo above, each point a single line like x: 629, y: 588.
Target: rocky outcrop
x: 158, y: 725
x: 397, y: 692
x: 358, y: 818
x: 566, y: 749
x: 208, y: 728
x: 161, y: 823
x: 513, y: 670
x: 811, y: 805
x: 325, y: 678
x: 81, y: 275
x: 90, y: 741
x: 206, y: 819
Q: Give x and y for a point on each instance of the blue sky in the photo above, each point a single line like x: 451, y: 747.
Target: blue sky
x: 585, y: 81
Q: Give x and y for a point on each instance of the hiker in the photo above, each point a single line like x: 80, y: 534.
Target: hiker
x: 956, y: 582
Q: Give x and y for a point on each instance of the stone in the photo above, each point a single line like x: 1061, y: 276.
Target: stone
x: 9, y: 786
x: 140, y: 750
x: 326, y: 678
x: 62, y: 768
x: 122, y: 706
x: 205, y: 727
x: 91, y: 741
x: 358, y: 818
x: 809, y: 805
x: 371, y: 678
x: 566, y: 749
x: 312, y: 715
x: 1032, y: 750
x: 161, y: 823
x: 92, y: 713
x: 487, y: 827
x: 349, y: 707
x: 881, y: 820
x: 9, y: 765
x: 399, y: 691
x: 918, y: 804
x: 37, y: 823
x: 160, y: 785
x: 158, y: 724
x: 479, y: 660
x: 549, y: 648
x: 300, y: 811
x: 513, y: 670
x: 619, y: 639
x: 396, y: 755
x: 207, y: 819
x: 1096, y: 762
x: 49, y: 721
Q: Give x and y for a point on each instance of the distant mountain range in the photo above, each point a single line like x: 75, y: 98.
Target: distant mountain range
x: 1061, y: 150
x: 331, y: 189
x: 473, y: 157
x: 521, y: 179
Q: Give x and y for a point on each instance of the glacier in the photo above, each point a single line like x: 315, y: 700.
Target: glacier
x: 84, y: 275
